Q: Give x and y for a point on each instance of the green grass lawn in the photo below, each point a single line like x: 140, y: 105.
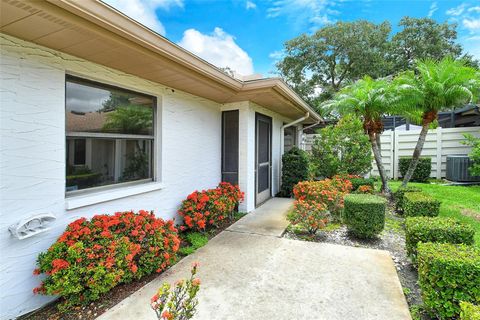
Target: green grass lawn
x: 462, y: 203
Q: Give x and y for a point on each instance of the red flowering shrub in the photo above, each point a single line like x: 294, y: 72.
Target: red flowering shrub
x: 309, y: 215
x: 93, y: 256
x: 207, y: 208
x: 328, y: 192
x: 365, y: 189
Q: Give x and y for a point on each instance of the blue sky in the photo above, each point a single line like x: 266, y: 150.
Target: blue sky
x: 248, y: 35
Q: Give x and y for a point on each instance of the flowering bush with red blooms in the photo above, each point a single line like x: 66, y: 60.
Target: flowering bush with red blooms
x: 328, y: 192
x: 309, y: 215
x: 93, y: 256
x: 207, y: 208
x: 365, y: 189
x: 179, y: 303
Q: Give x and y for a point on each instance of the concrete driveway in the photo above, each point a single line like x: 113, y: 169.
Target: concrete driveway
x: 248, y: 275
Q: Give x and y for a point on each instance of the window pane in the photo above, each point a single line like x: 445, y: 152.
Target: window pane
x: 79, y: 157
x: 96, y: 108
x: 108, y: 161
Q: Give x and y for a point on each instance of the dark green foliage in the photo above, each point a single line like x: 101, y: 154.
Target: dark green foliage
x: 474, y: 155
x: 342, y: 149
x: 196, y: 241
x: 357, y: 182
x: 400, y: 193
x: 448, y: 274
x: 364, y: 214
x: 420, y: 204
x: 422, y: 171
x: 469, y: 311
x: 441, y: 230
x: 295, y: 168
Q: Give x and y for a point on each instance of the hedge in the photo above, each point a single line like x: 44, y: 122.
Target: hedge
x: 469, y: 311
x: 400, y: 193
x: 420, y: 204
x: 442, y: 230
x: 357, y: 182
x: 448, y: 274
x: 295, y: 168
x: 364, y: 214
x: 93, y: 256
x: 422, y: 171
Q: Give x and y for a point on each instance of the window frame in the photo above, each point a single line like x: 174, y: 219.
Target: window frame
x: 154, y: 138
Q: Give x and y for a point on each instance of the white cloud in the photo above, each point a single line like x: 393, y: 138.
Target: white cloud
x: 474, y: 9
x: 301, y: 12
x: 433, y: 8
x: 276, y: 55
x: 143, y: 11
x: 218, y: 48
x: 456, y: 11
x: 250, y: 5
x: 471, y: 24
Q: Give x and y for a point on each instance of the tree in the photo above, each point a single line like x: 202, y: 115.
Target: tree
x: 334, y: 55
x: 474, y: 155
x: 342, y: 148
x: 371, y: 100
x: 423, y: 38
x: 441, y: 85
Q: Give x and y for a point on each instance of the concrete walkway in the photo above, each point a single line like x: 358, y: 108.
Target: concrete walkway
x: 249, y: 272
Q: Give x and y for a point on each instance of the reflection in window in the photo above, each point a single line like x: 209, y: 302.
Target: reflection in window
x: 109, y: 135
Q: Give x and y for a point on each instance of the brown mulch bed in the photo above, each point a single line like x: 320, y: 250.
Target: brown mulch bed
x: 392, y: 239
x: 109, y: 299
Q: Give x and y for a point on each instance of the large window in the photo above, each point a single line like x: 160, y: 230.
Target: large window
x: 109, y: 135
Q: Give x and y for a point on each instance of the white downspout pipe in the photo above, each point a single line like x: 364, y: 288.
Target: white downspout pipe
x: 282, y: 142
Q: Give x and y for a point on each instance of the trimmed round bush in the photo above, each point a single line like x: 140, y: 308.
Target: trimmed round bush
x: 469, y: 311
x: 295, y: 168
x: 448, y: 274
x: 364, y: 214
x: 400, y: 193
x: 417, y: 204
x: 93, y: 256
x: 358, y: 182
x: 422, y: 171
x: 438, y: 229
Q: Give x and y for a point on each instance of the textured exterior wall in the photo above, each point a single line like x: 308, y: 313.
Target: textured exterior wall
x: 32, y: 155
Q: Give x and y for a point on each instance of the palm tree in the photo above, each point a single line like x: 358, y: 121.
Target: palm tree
x: 437, y: 86
x: 371, y: 100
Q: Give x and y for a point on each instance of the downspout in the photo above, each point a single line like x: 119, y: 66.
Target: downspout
x: 282, y: 143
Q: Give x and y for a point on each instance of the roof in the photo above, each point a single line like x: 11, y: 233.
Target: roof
x: 97, y: 32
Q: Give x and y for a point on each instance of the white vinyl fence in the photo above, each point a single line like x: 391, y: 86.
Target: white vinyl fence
x: 440, y: 143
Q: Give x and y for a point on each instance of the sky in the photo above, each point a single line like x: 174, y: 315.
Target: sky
x: 248, y: 35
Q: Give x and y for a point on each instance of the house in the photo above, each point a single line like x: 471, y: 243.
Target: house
x: 100, y: 114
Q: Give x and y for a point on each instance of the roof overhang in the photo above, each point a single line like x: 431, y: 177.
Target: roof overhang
x: 96, y: 32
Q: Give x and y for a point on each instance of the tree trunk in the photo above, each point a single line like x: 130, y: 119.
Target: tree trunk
x: 416, y: 153
x: 378, y: 159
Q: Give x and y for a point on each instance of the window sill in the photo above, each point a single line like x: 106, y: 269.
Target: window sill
x: 84, y: 200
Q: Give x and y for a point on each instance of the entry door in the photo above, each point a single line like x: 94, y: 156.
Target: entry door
x: 263, y: 158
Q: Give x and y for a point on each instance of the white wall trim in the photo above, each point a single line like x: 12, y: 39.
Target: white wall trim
x: 112, y: 194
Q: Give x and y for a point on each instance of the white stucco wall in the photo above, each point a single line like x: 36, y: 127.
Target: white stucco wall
x: 32, y: 155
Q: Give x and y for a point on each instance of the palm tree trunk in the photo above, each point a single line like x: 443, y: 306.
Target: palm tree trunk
x: 378, y: 159
x: 416, y: 153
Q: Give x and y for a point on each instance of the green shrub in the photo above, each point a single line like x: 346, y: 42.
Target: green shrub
x: 364, y: 214
x: 357, y: 182
x: 196, y: 241
x: 400, y: 193
x: 342, y: 149
x: 420, y: 204
x: 295, y: 168
x: 448, y: 274
x: 422, y: 171
x: 474, y: 155
x: 469, y: 311
x: 443, y: 230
